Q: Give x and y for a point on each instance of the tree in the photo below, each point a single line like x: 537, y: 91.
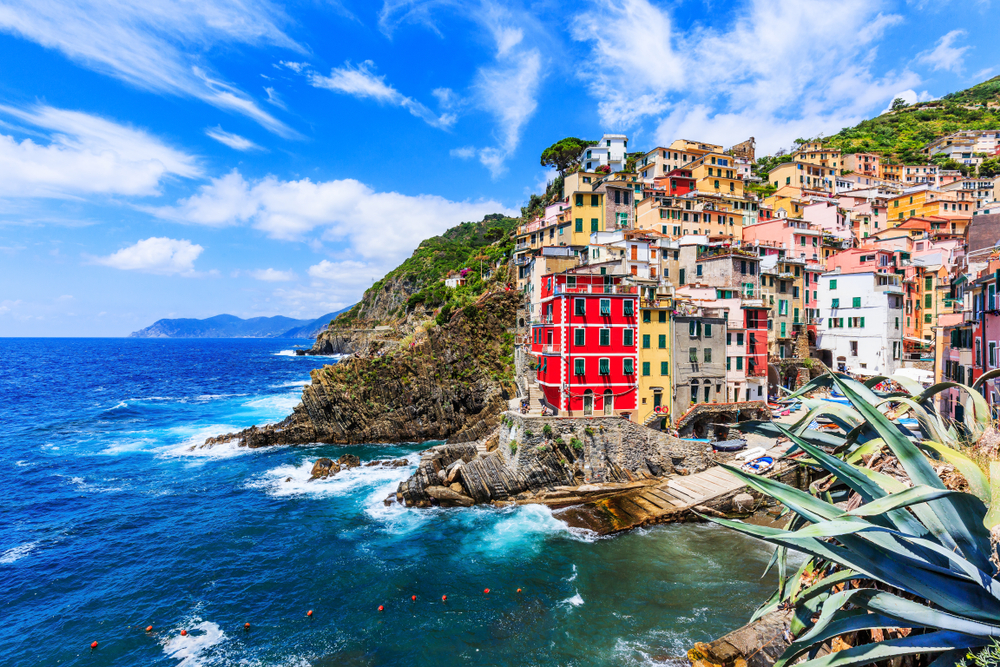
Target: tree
x: 564, y: 153
x: 990, y: 167
x: 495, y: 233
x: 898, y: 103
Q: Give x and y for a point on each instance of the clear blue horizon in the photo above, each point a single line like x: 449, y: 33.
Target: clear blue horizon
x: 247, y: 157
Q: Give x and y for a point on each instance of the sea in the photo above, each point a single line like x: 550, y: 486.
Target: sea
x: 115, y: 520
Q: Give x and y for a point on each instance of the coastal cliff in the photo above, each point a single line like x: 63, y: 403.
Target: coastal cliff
x: 446, y: 381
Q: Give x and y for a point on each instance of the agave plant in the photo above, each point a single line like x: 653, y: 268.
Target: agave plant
x: 911, y: 563
x: 940, y: 438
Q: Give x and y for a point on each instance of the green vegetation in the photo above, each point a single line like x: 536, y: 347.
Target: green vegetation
x: 547, y: 431
x: 904, y: 566
x: 564, y: 154
x: 576, y: 444
x: 900, y: 134
x: 513, y: 446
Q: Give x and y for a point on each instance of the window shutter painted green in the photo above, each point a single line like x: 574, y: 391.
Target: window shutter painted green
x: 645, y: 341
x: 833, y: 284
x: 664, y: 368
x: 628, y: 307
x: 604, y: 367
x: 663, y: 341
x: 739, y: 363
x: 645, y: 368
x: 862, y: 325
x: 580, y: 337
x: 708, y: 355
x: 835, y: 303
x: 708, y: 330
x: 578, y: 366
x: 693, y: 355
x: 593, y: 224
x: 856, y: 302
x: 579, y: 224
x: 628, y: 338
x: 605, y: 307
x: 581, y: 306
x: 605, y: 337
x: 627, y: 367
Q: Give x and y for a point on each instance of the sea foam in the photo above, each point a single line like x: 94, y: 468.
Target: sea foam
x: 192, y: 650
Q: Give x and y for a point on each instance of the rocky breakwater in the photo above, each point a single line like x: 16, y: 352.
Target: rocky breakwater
x: 453, y: 384
x: 550, y: 460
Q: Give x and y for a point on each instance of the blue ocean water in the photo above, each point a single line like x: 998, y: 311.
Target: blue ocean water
x: 113, y: 520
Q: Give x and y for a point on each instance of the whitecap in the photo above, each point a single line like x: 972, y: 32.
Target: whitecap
x: 192, y: 446
x: 525, y: 527
x: 572, y: 577
x: 286, y: 353
x: 192, y: 648
x: 283, y: 404
x: 575, y: 601
x: 121, y: 404
x: 293, y: 383
x: 92, y: 487
x: 293, y: 480
x: 24, y: 464
x: 17, y: 553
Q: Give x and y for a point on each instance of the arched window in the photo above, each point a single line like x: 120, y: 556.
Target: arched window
x: 609, y: 403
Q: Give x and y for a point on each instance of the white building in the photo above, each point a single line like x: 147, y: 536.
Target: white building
x: 609, y: 150
x: 860, y: 327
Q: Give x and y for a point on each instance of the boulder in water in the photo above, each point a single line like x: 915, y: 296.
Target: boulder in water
x: 324, y: 468
x: 349, y: 461
x: 448, y: 498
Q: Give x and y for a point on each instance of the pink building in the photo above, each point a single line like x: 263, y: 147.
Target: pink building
x: 796, y: 237
x: 862, y: 260
x: 862, y: 163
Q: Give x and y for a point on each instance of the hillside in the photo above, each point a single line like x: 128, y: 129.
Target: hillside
x: 899, y: 135
x: 230, y: 326
x: 470, y: 245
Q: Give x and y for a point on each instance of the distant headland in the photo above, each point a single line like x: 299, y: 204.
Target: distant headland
x: 230, y: 326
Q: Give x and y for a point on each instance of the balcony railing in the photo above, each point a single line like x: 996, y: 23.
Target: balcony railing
x: 551, y: 349
x: 597, y: 289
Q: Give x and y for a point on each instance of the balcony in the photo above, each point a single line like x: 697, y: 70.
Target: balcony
x: 551, y: 349
x: 597, y: 289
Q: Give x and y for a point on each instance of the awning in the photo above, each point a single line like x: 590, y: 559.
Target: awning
x: 918, y: 340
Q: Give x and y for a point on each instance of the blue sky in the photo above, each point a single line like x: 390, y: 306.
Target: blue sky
x: 190, y: 158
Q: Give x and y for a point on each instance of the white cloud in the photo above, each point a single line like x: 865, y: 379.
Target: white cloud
x: 274, y: 98
x: 85, y: 155
x: 294, y: 66
x: 909, y: 96
x: 363, y: 83
x: 508, y: 90
x: 234, y: 141
x: 773, y: 69
x: 375, y: 225
x: 944, y: 56
x: 153, y: 45
x: 463, y: 152
x: 272, y: 275
x: 157, y: 255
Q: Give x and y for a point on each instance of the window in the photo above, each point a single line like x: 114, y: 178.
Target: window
x: 729, y: 363
x: 927, y: 318
x: 579, y: 337
x: 645, y: 341
x: 605, y: 307
x: 628, y: 308
x: 693, y: 355
x: 897, y: 322
x: 578, y: 366
x: 646, y: 317
x: 697, y: 270
x: 833, y: 284
x: 856, y: 302
x: 662, y: 342
x: 692, y: 328
x: 627, y: 367
x: 707, y: 390
x: 739, y: 339
x: 579, y: 224
x: 783, y: 330
x: 708, y: 355
x: 729, y: 339
x: 796, y: 317
x: 795, y: 291
x: 993, y: 355
x: 928, y: 303
x: 835, y: 303
x: 579, y: 306
x: 664, y: 368
x: 783, y: 307
x: 645, y: 368
x: 681, y: 275
x: 605, y: 337
x: 854, y: 348
x: 708, y: 330
x: 579, y: 200
x: 628, y: 337
x: 593, y: 224
x: 739, y: 363
x: 604, y: 366
x: 663, y: 316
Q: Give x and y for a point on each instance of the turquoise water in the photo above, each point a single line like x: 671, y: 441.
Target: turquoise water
x: 112, y: 523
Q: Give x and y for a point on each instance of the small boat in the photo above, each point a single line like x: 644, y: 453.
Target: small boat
x: 729, y: 445
x: 751, y: 454
x: 758, y: 465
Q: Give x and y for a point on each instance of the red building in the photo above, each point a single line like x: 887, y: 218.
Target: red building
x: 755, y: 322
x: 586, y: 344
x: 677, y: 182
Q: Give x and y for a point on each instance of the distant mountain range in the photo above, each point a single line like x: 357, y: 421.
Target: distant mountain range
x: 230, y: 326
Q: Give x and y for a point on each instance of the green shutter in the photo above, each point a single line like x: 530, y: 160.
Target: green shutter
x: 693, y: 355
x: 835, y: 303
x: 708, y: 355
x: 581, y: 306
x: 708, y: 330
x: 927, y: 301
x: 627, y: 367
x: 856, y: 302
x: 604, y: 367
x: 578, y: 366
x: 628, y: 307
x: 862, y: 323
x: 691, y: 328
x: 579, y: 224
x: 593, y: 224
x: 664, y: 368
x: 645, y: 341
x: 833, y: 284
x: 605, y: 307
x: 739, y: 363
x: 579, y: 337
x: 627, y: 339
x: 663, y: 341
x: 729, y: 363
x: 605, y: 337
x: 645, y: 368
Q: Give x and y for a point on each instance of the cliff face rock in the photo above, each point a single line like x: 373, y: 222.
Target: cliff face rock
x: 454, y: 383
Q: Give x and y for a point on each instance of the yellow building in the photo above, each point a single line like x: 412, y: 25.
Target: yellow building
x: 787, y: 198
x: 654, y: 361
x: 813, y: 152
x: 804, y: 175
x: 716, y: 173
x: 584, y: 216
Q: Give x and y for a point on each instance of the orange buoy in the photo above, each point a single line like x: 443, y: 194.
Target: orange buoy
x: 184, y: 633
x: 381, y: 608
x: 518, y: 590
x: 444, y: 598
x: 149, y: 628
x: 246, y: 626
x: 486, y: 591
x: 309, y: 613
x: 93, y: 646
x: 413, y: 597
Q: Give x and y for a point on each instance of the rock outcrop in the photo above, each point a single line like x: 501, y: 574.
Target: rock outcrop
x: 452, y: 384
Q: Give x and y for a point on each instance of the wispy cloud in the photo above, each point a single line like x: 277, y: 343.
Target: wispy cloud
x: 362, y: 82
x: 728, y: 82
x: 945, y: 56
x: 85, y: 154
x: 272, y: 275
x: 341, y: 211
x: 159, y: 255
x: 155, y: 46
x: 234, y: 141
